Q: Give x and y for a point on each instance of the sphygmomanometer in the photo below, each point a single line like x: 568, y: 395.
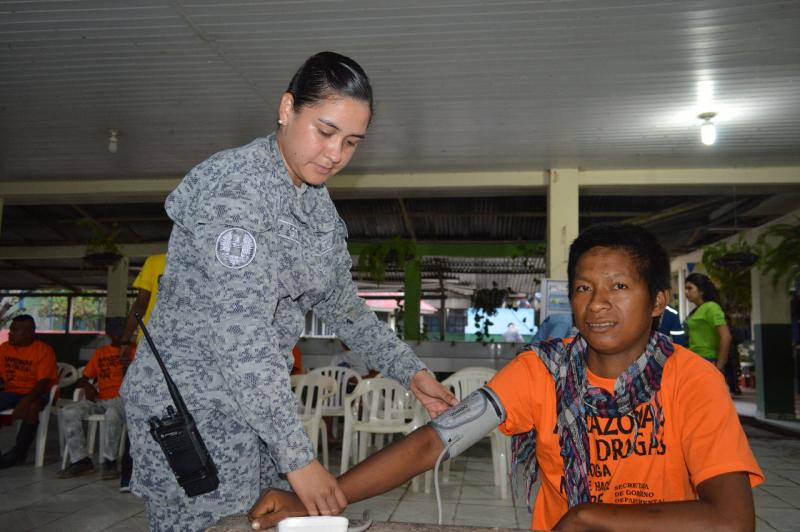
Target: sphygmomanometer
x: 463, y: 425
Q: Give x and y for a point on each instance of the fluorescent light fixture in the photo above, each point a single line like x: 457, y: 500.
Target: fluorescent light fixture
x: 708, y: 131
x: 113, y: 140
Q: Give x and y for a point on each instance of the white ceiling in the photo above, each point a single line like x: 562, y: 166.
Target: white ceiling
x: 459, y: 84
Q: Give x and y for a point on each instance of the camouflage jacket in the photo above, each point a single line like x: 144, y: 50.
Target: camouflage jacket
x: 249, y: 255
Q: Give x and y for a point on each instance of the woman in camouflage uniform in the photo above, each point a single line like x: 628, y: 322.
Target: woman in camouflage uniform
x: 257, y: 242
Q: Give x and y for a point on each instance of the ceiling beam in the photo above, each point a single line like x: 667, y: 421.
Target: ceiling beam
x: 76, y: 252
x: 427, y: 249
x: 690, y: 180
x: 766, y: 179
x: 407, y: 220
x: 43, y: 275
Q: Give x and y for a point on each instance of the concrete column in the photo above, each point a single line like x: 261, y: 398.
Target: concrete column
x: 413, y: 291
x: 772, y: 333
x: 562, y: 219
x: 117, y: 295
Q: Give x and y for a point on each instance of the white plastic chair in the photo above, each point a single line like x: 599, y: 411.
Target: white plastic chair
x: 311, y: 392
x: 333, y: 406
x: 462, y: 383
x: 41, y: 430
x: 67, y: 374
x: 376, y: 407
x: 94, y: 423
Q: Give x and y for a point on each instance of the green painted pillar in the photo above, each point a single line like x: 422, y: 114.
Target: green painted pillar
x: 413, y: 291
x: 772, y: 333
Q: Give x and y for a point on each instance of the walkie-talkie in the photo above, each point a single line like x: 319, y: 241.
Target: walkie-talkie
x: 180, y: 440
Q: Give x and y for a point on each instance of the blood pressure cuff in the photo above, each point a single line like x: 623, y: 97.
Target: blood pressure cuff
x: 470, y: 420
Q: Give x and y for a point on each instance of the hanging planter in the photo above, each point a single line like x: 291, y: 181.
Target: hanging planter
x: 378, y: 258
x: 738, y: 260
x: 101, y: 251
x: 486, y: 301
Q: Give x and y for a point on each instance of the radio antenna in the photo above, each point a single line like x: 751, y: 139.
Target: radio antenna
x: 173, y: 390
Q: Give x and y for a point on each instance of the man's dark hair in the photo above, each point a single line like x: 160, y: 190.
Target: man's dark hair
x: 650, y: 258
x: 329, y: 74
x: 25, y: 317
x: 115, y: 326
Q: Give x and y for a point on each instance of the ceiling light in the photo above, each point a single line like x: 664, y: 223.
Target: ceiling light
x: 708, y: 131
x: 113, y: 140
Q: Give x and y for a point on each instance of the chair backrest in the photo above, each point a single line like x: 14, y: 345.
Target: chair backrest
x: 465, y: 381
x: 311, y: 391
x: 384, y: 401
x: 67, y: 374
x: 344, y: 377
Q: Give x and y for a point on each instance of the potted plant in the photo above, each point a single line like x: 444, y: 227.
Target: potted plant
x: 379, y: 257
x: 779, y: 247
x: 486, y: 301
x: 101, y: 250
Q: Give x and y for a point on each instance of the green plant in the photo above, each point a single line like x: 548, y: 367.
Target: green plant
x: 781, y: 259
x: 729, y: 264
x: 101, y: 249
x: 379, y: 257
x: 528, y: 252
x: 486, y: 301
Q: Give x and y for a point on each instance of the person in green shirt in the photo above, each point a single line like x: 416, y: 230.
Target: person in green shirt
x: 709, y: 335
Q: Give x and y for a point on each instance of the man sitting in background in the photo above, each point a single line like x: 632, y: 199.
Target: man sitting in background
x: 105, y: 366
x: 28, y: 370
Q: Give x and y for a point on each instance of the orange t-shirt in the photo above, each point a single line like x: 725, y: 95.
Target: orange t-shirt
x: 297, y: 367
x: 105, y: 366
x: 22, y: 367
x: 701, y: 437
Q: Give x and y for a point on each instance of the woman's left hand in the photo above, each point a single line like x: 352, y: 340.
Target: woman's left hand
x: 317, y: 489
x: 433, y: 396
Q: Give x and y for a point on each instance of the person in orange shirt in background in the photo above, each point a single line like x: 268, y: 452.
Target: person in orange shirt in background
x: 297, y: 365
x: 103, y: 398
x: 28, y: 370
x: 628, y: 431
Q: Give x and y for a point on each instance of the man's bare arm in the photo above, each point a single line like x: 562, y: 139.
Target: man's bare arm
x: 384, y: 470
x: 725, y: 503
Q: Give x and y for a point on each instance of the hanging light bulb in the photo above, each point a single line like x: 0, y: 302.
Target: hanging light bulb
x: 113, y: 140
x: 708, y: 131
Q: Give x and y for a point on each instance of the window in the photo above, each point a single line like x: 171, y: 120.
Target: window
x: 316, y: 327
x: 88, y: 314
x: 456, y: 320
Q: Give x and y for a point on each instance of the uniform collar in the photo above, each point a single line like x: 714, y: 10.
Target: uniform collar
x: 303, y: 201
x: 275, y: 152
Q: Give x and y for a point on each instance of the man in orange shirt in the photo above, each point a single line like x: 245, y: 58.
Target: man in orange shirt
x: 103, y: 398
x: 28, y: 370
x: 628, y: 431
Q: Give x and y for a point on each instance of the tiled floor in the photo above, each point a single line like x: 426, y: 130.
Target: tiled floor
x: 33, y: 499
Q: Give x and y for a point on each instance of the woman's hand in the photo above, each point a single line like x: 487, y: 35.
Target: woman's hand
x: 433, y: 396
x: 317, y: 489
x: 273, y: 506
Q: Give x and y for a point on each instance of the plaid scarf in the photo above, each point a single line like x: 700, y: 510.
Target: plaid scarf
x: 637, y: 385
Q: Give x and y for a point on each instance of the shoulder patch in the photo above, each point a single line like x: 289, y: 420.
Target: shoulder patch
x: 236, y: 248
